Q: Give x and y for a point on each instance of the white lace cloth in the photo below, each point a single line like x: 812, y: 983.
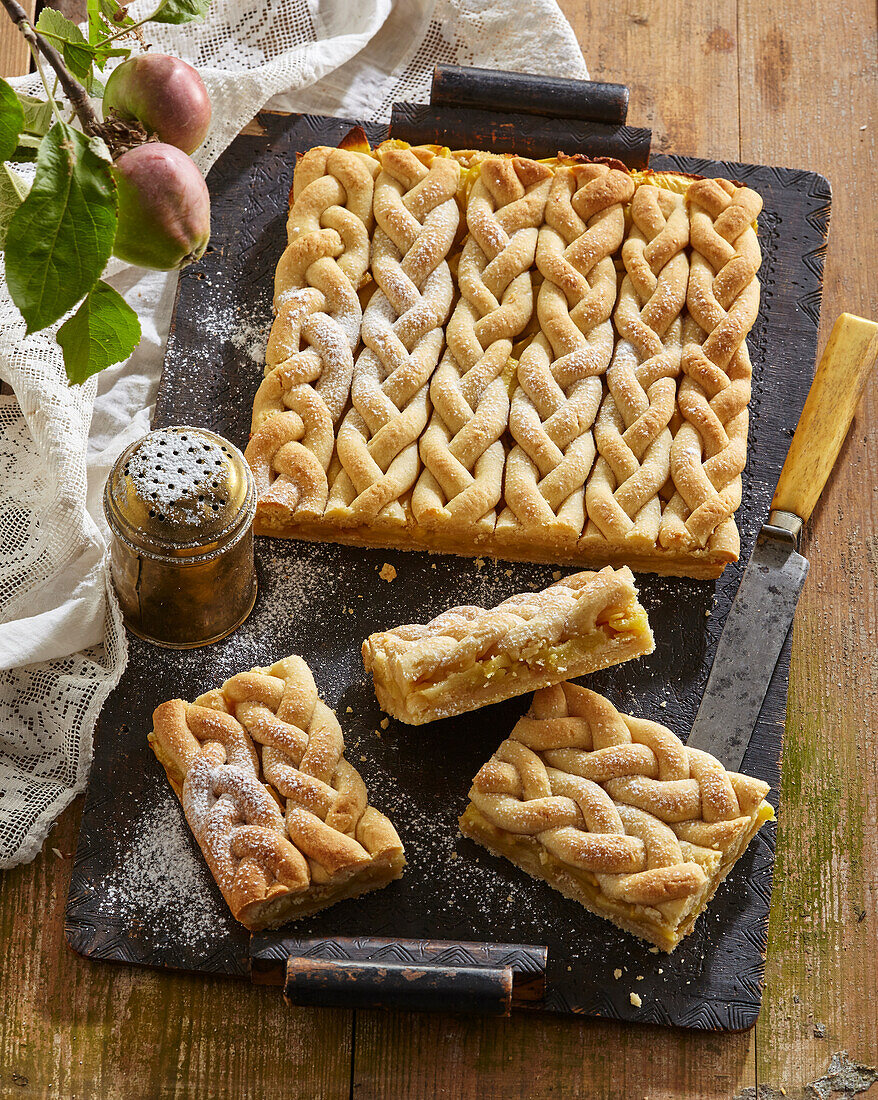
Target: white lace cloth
x: 62, y: 644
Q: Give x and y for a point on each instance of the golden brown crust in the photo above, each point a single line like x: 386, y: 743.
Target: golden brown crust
x: 286, y: 829
x: 574, y: 417
x: 469, y: 657
x: 615, y: 812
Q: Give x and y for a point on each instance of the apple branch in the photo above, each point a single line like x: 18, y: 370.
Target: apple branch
x: 74, y: 90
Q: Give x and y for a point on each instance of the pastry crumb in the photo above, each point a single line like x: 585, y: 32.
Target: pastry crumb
x: 635, y: 1000
x: 617, y: 973
x: 639, y: 978
x: 480, y: 563
x: 664, y: 704
x: 387, y: 572
x: 362, y: 758
x: 349, y: 710
x: 57, y: 852
x: 556, y: 576
x: 653, y: 950
x: 377, y: 733
x: 508, y: 572
x: 384, y: 723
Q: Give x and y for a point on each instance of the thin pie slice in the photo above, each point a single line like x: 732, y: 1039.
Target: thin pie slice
x: 282, y: 818
x: 614, y: 812
x: 469, y: 657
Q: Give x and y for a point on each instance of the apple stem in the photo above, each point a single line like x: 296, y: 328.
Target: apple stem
x: 74, y: 90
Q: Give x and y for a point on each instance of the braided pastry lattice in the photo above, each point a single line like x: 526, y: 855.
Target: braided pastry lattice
x: 559, y: 374
x: 417, y: 219
x: 709, y: 450
x: 462, y: 449
x: 632, y: 434
x: 309, y: 359
x: 233, y: 816
x: 327, y: 815
x: 329, y: 843
x: 620, y: 797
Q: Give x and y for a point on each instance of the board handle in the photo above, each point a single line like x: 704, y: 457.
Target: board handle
x: 416, y: 975
x: 841, y: 375
x: 501, y: 132
x: 349, y: 984
x: 529, y: 94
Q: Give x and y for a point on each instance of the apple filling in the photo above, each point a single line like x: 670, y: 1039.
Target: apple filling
x: 619, y: 624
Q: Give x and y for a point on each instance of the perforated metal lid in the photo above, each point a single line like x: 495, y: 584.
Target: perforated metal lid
x: 178, y: 492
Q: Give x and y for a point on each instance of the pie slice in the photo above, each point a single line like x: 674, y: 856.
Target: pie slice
x: 468, y: 657
x: 614, y: 812
x: 282, y: 818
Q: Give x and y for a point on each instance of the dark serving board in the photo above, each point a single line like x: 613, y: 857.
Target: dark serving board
x: 320, y: 600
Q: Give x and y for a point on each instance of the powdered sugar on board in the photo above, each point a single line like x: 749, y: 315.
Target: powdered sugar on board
x: 161, y: 888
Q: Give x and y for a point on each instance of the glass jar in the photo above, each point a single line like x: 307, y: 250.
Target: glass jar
x: 180, y: 504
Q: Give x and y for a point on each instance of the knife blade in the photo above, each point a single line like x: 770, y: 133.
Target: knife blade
x: 765, y: 603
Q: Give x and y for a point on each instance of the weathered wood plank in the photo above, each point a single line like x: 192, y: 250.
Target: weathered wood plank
x: 103, y: 1032
x: 536, y: 1057
x: 14, y: 52
x: 810, y: 103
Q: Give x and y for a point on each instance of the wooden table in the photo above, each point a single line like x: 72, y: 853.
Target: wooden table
x: 775, y: 81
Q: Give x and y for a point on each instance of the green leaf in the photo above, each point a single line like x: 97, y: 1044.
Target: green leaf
x: 77, y: 53
x: 106, y: 18
x: 11, y: 120
x: 13, y: 190
x: 61, y: 236
x: 55, y: 25
x: 38, y: 114
x: 104, y: 330
x: 27, y: 148
x: 179, y: 11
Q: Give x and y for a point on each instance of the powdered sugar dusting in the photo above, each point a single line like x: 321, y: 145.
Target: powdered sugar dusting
x: 172, y: 468
x: 251, y: 337
x: 161, y: 885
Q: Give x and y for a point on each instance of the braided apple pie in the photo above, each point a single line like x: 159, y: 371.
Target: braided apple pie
x: 469, y: 657
x: 614, y: 812
x: 483, y: 353
x: 282, y: 818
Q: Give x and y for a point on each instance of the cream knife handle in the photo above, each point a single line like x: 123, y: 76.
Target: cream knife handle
x: 832, y: 400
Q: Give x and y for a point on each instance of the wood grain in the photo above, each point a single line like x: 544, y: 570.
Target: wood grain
x: 14, y: 53
x: 842, y: 374
x: 104, y: 1032
x: 811, y: 87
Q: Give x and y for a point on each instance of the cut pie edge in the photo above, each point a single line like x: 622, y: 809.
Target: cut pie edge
x: 526, y: 853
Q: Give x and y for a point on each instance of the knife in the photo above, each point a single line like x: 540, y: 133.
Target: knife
x: 763, y: 609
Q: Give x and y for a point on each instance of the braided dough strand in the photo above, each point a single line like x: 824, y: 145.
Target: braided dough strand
x: 231, y: 813
x: 461, y: 449
x: 632, y: 429
x: 559, y: 374
x: 616, y: 796
x: 709, y: 450
x: 309, y: 359
x: 270, y: 865
x: 417, y: 219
